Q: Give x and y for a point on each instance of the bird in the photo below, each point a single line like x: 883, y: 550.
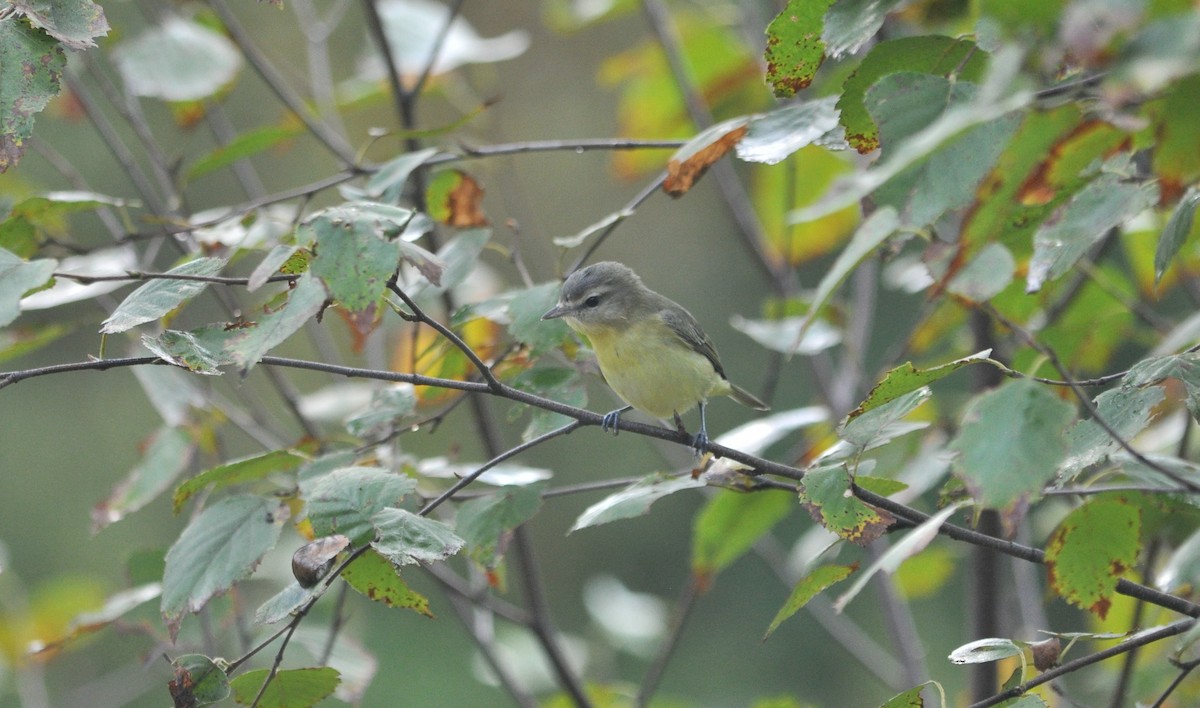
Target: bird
x: 652, y: 352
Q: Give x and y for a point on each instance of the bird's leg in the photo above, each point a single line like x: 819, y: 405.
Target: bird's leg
x: 679, y: 423
x: 610, y: 420
x: 700, y: 445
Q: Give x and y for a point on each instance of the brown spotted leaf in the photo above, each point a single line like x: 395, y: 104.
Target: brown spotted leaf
x: 795, y: 48
x: 1091, y: 549
x: 827, y: 495
x: 372, y: 575
x: 456, y: 198
x: 693, y: 159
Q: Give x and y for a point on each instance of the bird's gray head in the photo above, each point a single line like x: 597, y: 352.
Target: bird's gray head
x: 602, y: 296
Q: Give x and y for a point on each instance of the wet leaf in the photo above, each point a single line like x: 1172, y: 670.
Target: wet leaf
x: 850, y: 24
x: 390, y: 407
x: 241, y: 471
x: 161, y: 295
x: 775, y: 135
x: 872, y: 427
x: 246, y: 345
x: 634, y: 500
x: 76, y: 23
x: 983, y: 651
x: 1126, y: 410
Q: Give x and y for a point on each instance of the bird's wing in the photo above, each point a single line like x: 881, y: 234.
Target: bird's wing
x: 683, y: 324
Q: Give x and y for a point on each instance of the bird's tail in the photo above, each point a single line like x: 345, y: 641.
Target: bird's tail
x: 746, y: 398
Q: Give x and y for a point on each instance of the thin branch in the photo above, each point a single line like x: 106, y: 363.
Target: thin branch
x: 1087, y: 404
x: 1027, y: 553
x: 756, y: 465
x: 683, y: 610
x: 138, y: 275
x: 541, y: 624
x: 1185, y: 669
x: 1139, y: 640
x: 507, y: 454
x: 484, y: 370
x: 332, y: 141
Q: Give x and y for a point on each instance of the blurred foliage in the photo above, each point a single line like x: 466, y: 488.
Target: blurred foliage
x: 974, y: 228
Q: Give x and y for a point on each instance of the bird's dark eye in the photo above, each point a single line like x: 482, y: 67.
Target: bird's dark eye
x: 592, y: 301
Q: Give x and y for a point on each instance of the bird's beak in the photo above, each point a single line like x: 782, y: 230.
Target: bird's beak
x: 555, y: 312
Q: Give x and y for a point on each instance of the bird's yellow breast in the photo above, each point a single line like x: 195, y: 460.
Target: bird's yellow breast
x: 651, y: 368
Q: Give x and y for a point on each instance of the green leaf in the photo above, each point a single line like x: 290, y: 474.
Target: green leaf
x: 271, y: 264
x: 869, y: 236
x: 794, y: 46
x: 1090, y: 550
x: 243, y: 146
x: 986, y: 276
x: 179, y: 60
x: 161, y: 295
x: 882, y: 486
x: 1102, y: 205
x: 809, y: 587
x: 372, y: 575
x: 248, y: 344
x: 1175, y: 232
x: 525, y: 310
x: 559, y: 384
x: 931, y: 54
x: 890, y: 560
x: 879, y: 424
x: 219, y: 547
x: 17, y: 277
x: 344, y: 500
x: 912, y: 697
x: 197, y: 680
x: 405, y: 538
x: 31, y: 66
x: 200, y: 351
x: 75, y: 23
x: 241, y: 471
x: 389, y: 408
x: 984, y: 651
x: 904, y: 104
x: 168, y: 454
x: 487, y: 522
x: 285, y: 602
x: 907, y: 378
x: 291, y: 688
x: 354, y: 258
x: 773, y: 136
x: 829, y: 498
x: 388, y: 182
x: 730, y: 524
x: 850, y: 24
x: 634, y: 500
x: 1126, y: 410
x: 1011, y: 442
x: 459, y: 257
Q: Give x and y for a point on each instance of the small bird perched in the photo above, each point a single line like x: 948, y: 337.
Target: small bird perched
x: 651, y: 351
